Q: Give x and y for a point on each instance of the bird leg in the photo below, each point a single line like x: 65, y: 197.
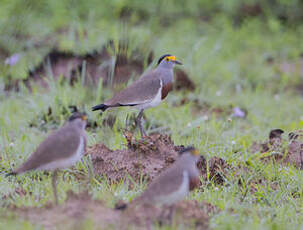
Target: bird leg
x: 168, y: 213
x: 54, y: 184
x: 172, y: 211
x: 139, y: 122
x: 90, y: 172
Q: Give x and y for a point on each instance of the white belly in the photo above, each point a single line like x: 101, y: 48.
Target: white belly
x: 178, y: 195
x: 153, y: 103
x: 65, y: 162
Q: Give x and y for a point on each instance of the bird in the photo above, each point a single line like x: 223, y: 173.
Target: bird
x: 175, y: 183
x: 148, y: 91
x: 61, y: 149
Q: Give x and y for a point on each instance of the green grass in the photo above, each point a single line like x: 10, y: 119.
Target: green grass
x: 228, y: 65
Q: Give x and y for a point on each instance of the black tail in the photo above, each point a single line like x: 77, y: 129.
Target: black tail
x: 100, y: 107
x: 121, y: 205
x: 11, y: 174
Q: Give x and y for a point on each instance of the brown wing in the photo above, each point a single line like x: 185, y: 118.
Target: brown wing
x: 60, y: 144
x: 168, y: 182
x: 142, y: 91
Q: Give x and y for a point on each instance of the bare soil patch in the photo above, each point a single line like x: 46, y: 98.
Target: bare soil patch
x: 71, y: 214
x: 80, y: 208
x: 146, y: 159
x: 112, y: 69
x: 143, y: 159
x: 217, y: 168
x: 186, y: 213
x: 281, y: 150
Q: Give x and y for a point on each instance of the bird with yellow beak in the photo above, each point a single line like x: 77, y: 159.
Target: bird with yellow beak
x: 148, y: 91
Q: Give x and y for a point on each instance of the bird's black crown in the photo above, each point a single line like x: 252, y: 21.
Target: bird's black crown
x: 77, y: 115
x: 162, y: 57
x: 187, y: 149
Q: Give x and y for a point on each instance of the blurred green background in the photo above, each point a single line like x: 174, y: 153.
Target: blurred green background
x: 187, y: 28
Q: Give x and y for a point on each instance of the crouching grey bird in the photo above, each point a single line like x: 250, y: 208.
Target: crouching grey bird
x: 61, y: 149
x: 148, y: 91
x: 174, y: 184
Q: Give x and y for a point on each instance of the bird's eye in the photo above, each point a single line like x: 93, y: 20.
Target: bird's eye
x: 167, y: 59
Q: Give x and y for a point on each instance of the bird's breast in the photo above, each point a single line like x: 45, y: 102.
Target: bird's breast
x: 194, y: 183
x: 166, y: 89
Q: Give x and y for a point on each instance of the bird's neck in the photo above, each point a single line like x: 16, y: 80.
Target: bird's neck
x: 165, y: 74
x: 189, y: 163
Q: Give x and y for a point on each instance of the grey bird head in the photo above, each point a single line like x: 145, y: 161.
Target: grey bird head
x: 78, y: 119
x: 190, y: 153
x: 168, y: 61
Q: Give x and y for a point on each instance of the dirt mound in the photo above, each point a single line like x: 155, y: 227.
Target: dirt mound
x: 281, y: 150
x: 97, y: 65
x: 216, y: 171
x: 146, y: 159
x: 77, y: 210
x: 186, y: 213
x: 70, y: 214
x: 295, y: 148
x: 143, y: 159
